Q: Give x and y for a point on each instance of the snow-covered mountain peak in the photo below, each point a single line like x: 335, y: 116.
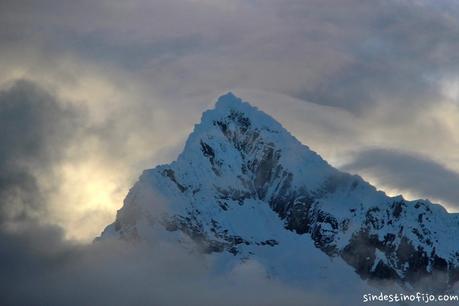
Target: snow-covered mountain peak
x: 232, y: 112
x: 235, y: 132
x: 230, y: 100
x: 245, y: 186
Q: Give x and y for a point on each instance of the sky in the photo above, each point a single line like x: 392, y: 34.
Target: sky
x: 93, y: 92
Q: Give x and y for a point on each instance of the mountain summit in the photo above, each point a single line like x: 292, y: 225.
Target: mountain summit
x: 244, y: 187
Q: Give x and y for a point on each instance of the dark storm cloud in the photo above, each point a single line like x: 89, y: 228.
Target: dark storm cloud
x: 34, y: 131
x: 409, y: 171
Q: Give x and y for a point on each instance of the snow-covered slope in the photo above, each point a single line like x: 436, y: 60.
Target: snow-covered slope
x: 243, y: 188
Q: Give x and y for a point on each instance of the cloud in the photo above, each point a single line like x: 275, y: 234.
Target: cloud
x: 408, y: 171
x: 349, y: 54
x: 41, y: 267
x: 35, y: 131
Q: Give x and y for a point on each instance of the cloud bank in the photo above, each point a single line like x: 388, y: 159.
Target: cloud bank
x: 422, y: 176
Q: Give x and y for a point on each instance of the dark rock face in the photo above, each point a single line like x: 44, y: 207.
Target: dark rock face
x: 171, y: 175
